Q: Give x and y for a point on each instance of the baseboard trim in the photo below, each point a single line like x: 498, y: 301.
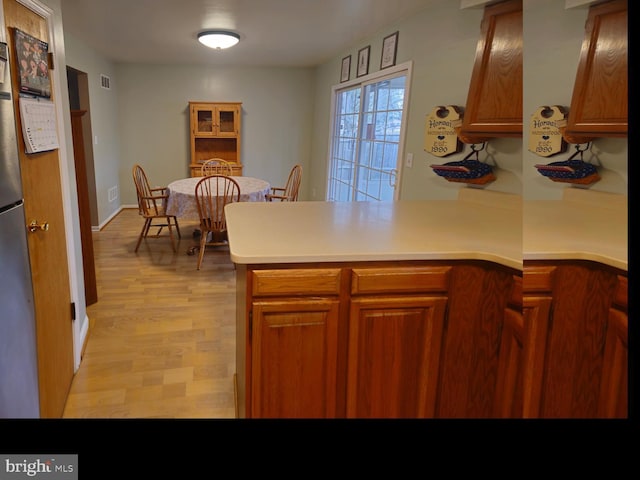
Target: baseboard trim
x: 111, y: 217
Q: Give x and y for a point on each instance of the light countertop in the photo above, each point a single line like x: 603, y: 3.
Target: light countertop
x: 480, y: 225
x: 584, y: 225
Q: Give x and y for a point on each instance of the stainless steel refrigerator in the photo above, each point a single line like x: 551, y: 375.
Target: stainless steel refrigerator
x: 19, y: 396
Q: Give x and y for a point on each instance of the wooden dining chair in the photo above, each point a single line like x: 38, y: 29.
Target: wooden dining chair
x: 288, y: 193
x: 216, y: 166
x: 151, y: 206
x: 212, y: 194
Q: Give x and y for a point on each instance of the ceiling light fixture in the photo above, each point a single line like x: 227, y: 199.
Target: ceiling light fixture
x: 218, y: 39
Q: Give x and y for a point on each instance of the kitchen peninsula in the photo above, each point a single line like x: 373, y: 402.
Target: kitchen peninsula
x: 425, y: 309
x: 374, y: 309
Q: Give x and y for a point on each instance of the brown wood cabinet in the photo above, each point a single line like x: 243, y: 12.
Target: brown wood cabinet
x: 494, y: 101
x: 215, y: 133
x: 599, y: 104
x: 294, y: 320
x: 369, y: 339
x: 575, y: 364
x: 396, y: 320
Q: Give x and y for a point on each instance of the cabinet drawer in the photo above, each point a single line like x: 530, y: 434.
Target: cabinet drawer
x: 538, y: 279
x: 400, y: 279
x: 312, y: 281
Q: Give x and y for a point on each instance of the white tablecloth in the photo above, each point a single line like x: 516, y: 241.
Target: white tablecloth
x: 182, y: 195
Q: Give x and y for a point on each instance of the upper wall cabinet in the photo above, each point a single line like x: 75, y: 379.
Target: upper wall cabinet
x: 599, y: 103
x: 494, y: 102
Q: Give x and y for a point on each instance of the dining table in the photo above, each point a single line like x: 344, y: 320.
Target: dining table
x: 182, y: 198
x: 182, y: 194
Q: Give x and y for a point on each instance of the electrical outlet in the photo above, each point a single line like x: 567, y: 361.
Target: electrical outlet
x: 409, y: 161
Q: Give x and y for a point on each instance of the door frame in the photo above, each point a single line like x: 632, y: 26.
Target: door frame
x: 67, y: 167
x: 372, y: 78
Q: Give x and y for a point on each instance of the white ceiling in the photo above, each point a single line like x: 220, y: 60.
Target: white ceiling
x: 299, y: 33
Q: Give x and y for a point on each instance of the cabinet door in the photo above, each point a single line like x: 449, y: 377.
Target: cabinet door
x: 203, y: 119
x: 600, y: 99
x: 614, y: 386
x: 574, y: 363
x: 494, y: 101
x: 536, y: 319
x: 508, y: 403
x: 294, y: 350
x: 215, y: 120
x: 393, y: 356
x: 227, y: 122
x: 522, y: 348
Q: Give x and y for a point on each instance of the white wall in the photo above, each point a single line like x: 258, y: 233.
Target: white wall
x: 144, y: 119
x: 104, y: 121
x: 441, y: 42
x: 154, y: 118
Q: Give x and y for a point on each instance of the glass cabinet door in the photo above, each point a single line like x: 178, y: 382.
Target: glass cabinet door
x: 204, y: 124
x: 215, y: 120
x: 227, y: 121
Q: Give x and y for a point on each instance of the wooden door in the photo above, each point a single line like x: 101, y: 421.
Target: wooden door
x: 88, y: 263
x: 393, y: 356
x: 294, y: 350
x: 47, y: 249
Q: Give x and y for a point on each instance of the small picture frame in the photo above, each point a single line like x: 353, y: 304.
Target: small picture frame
x: 363, y: 61
x: 346, y: 69
x: 389, y: 50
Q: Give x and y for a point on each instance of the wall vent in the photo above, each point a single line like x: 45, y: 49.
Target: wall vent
x: 112, y: 193
x: 105, y: 82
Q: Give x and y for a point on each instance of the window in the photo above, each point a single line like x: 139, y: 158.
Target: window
x: 368, y: 126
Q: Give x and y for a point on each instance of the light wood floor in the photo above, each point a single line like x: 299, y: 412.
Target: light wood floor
x: 162, y: 334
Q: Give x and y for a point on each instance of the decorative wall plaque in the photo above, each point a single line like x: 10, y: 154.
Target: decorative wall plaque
x: 545, y: 137
x: 440, y: 137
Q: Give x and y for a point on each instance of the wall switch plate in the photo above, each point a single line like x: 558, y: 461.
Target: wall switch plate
x: 409, y: 161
